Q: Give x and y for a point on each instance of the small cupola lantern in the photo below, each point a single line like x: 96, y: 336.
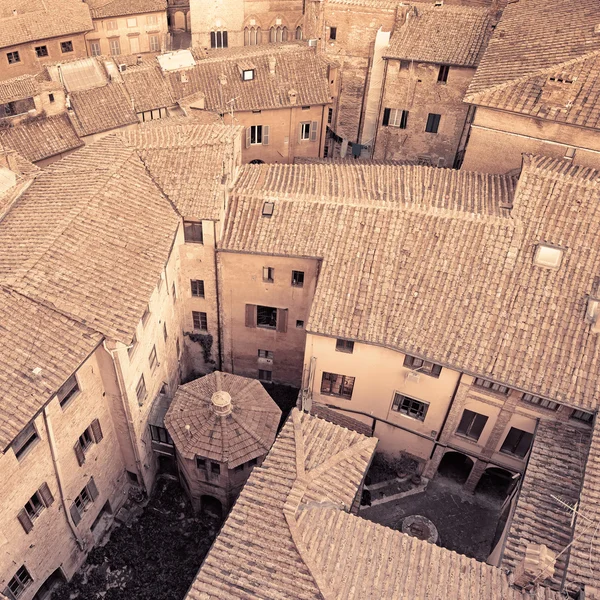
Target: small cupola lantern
x: 222, y: 425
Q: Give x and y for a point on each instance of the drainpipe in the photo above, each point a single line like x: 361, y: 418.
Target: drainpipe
x: 439, y: 435
x: 78, y: 539
x: 130, y: 426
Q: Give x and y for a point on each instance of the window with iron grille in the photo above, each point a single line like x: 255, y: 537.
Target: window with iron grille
x: 67, y: 391
x: 298, y: 278
x: 540, y: 401
x: 471, y: 424
x: 140, y: 390
x: 19, y: 583
x: 344, y: 346
x: 337, y: 385
x: 422, y: 366
x: 410, y: 407
x: 192, y: 232
x: 490, y: 385
x: 517, y: 442
x: 200, y: 320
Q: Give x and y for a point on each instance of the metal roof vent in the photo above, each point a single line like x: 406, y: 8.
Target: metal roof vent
x: 548, y: 256
x: 221, y: 402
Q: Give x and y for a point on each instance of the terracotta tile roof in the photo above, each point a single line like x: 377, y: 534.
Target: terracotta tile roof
x: 532, y: 41
x: 117, y: 8
x: 298, y: 68
x: 247, y: 432
x: 337, y: 418
x: 16, y: 174
x: 451, y: 35
x: 50, y: 341
x: 147, y: 87
x: 18, y: 88
x: 289, y: 535
x: 101, y: 109
x: 41, y: 19
x: 417, y: 247
x: 584, y: 559
x: 568, y: 92
x: 187, y: 161
x: 554, y: 471
x: 72, y: 243
x: 41, y: 138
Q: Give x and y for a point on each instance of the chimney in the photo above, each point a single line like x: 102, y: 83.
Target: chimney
x: 222, y: 79
x: 221, y: 403
x: 272, y: 63
x: 139, y: 59
x: 292, y: 95
x: 536, y: 566
x: 14, y: 12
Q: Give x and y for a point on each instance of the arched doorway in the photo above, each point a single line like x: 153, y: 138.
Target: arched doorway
x: 496, y: 483
x: 456, y: 466
x: 212, y: 506
x: 257, y: 161
x: 180, y: 20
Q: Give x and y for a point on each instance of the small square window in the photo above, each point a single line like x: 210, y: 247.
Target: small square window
x: 581, y: 415
x: 66, y: 47
x: 299, y: 324
x: 215, y: 468
x: 265, y: 375
x: 13, y: 57
x: 239, y: 468
x: 131, y: 22
x: 306, y: 108
x: 193, y: 232
x: 570, y: 153
x: 268, y: 208
x: 265, y: 354
x: 490, y: 385
x: 298, y: 278
x: 422, y: 366
x: 344, y: 346
x: 41, y: 51
x: 200, y: 463
x: 200, y: 320
x: 410, y: 407
x: 548, y: 256
x: 112, y: 25
x: 268, y: 274
x: 248, y: 75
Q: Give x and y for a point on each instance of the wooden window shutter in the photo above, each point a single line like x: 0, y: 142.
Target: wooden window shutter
x: 248, y: 137
x: 97, y: 431
x: 250, y: 315
x: 282, y: 318
x: 75, y: 514
x: 300, y: 133
x: 79, y: 453
x: 265, y: 135
x: 313, y: 131
x: 92, y: 489
x: 46, y: 494
x: 386, y: 117
x: 25, y: 521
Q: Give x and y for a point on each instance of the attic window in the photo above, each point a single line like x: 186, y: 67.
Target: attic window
x: 548, y: 256
x: 268, y: 208
x: 248, y: 74
x: 561, y: 80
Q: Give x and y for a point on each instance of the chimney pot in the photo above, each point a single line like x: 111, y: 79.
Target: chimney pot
x: 536, y: 565
x: 221, y: 403
x: 272, y: 64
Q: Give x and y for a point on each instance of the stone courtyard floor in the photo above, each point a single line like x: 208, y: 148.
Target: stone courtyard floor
x: 465, y: 522
x: 156, y: 555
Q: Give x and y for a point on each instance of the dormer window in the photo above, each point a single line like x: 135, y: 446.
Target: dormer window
x: 547, y: 256
x: 248, y: 75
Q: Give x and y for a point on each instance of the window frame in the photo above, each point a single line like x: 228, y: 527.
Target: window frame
x: 33, y: 512
x: 267, y: 354
x: 272, y: 311
x: 346, y: 382
x: 426, y: 367
x: 154, y: 43
x: 41, y: 51
x: 114, y: 43
x: 193, y: 232
x: 200, y: 320
x: 481, y: 382
x: 68, y: 391
x: 578, y: 415
x: 305, y: 131
x: 13, y: 57
x: 268, y: 274
x: 215, y: 468
x: 433, y: 123
x: 141, y: 392
x: 472, y: 426
x: 66, y: 47
x: 197, y: 288
x: 86, y: 439
x: 443, y: 72
x: 21, y: 579
x: 399, y: 400
x: 30, y: 436
x: 218, y: 39
x: 256, y: 135
x: 297, y: 279
x: 521, y: 435
x: 539, y: 401
x: 156, y: 435
x: 262, y: 375
x: 342, y: 345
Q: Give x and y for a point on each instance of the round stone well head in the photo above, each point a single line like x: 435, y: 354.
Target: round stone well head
x: 421, y: 528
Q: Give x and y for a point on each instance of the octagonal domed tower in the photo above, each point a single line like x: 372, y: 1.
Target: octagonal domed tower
x: 222, y: 425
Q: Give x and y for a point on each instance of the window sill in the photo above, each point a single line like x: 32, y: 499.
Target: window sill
x: 344, y: 351
x: 419, y: 419
x: 201, y: 242
x: 271, y: 327
x: 511, y: 455
x: 339, y: 397
x: 67, y: 403
x: 297, y: 285
x: 466, y: 438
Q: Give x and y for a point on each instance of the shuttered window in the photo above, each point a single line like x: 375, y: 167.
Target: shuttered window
x: 267, y: 317
x: 433, y: 123
x: 87, y: 495
x: 42, y: 498
x: 68, y: 391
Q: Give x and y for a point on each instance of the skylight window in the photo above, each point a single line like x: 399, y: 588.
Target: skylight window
x: 248, y: 75
x: 548, y: 256
x: 268, y: 208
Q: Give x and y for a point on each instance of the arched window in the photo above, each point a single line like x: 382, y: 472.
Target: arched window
x: 252, y: 36
x: 298, y: 32
x: 278, y: 34
x: 218, y: 39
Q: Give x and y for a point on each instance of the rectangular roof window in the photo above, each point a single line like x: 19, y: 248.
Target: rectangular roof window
x: 268, y: 208
x: 548, y: 256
